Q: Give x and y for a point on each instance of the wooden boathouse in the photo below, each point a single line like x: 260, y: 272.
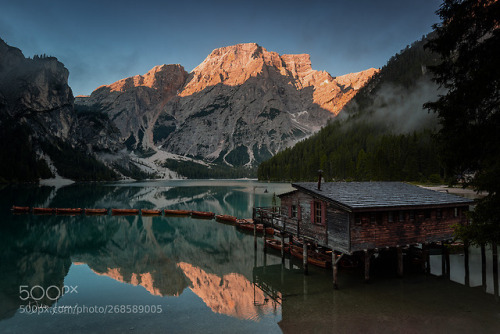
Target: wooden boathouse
x: 364, y: 217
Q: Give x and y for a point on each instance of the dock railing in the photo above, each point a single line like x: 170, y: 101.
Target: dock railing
x: 272, y: 216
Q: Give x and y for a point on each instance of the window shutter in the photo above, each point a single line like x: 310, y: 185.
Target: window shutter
x: 299, y: 212
x: 323, y: 213
x: 312, y: 212
x: 289, y: 210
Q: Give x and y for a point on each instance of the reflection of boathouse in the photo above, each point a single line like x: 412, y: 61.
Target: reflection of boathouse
x: 354, y: 217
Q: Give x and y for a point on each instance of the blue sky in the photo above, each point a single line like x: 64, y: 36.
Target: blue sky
x: 102, y: 41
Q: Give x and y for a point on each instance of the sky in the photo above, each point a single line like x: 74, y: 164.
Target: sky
x: 102, y: 41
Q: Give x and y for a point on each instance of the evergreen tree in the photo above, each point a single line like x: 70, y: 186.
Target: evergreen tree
x: 468, y: 40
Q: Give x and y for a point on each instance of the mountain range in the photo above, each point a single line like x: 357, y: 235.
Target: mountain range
x: 384, y: 133
x: 239, y: 107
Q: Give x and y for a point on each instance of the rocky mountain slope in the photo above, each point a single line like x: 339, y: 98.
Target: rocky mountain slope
x: 38, y: 127
x: 241, y: 105
x: 383, y: 133
x: 41, y: 135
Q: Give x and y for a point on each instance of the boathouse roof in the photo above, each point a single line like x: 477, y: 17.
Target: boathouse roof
x: 364, y: 195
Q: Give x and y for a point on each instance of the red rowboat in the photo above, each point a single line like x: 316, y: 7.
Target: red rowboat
x: 69, y: 211
x: 269, y: 231
x: 96, y: 211
x: 43, y: 211
x: 20, y: 209
x: 250, y: 226
x: 312, y: 257
x: 276, y: 244
x: 145, y: 212
x: 177, y: 212
x: 124, y: 212
x: 202, y: 214
x: 226, y: 218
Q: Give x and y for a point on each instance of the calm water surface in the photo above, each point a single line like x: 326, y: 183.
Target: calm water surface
x: 180, y: 275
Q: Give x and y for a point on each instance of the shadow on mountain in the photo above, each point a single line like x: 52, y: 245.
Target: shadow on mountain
x: 242, y: 124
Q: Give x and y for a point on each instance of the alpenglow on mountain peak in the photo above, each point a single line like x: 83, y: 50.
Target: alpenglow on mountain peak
x: 240, y: 106
x: 233, y: 65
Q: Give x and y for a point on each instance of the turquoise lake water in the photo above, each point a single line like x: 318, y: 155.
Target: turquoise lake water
x: 134, y: 274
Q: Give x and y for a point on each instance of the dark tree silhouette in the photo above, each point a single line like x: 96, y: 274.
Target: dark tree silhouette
x: 468, y: 40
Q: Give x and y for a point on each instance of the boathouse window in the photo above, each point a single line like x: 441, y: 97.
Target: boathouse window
x: 427, y: 214
x: 412, y: 215
x: 294, y: 211
x: 317, y: 213
x: 439, y: 214
x: 373, y: 218
x: 401, y: 216
x: 455, y: 212
x: 390, y: 217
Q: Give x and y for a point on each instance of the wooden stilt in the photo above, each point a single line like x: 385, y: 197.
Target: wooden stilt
x: 282, y: 247
x: 367, y: 266
x: 335, y: 270
x: 304, y: 247
x: 304, y: 286
x: 255, y: 257
x: 427, y: 259
x: 422, y: 264
x: 400, y: 261
x: 447, y: 261
x: 466, y: 263
x: 494, y: 251
x: 483, y: 266
x: 255, y: 235
x: 443, y: 260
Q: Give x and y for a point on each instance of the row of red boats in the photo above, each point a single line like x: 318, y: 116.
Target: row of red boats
x: 144, y: 212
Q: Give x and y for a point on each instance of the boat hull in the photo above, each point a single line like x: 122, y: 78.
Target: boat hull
x: 95, y: 212
x: 20, y: 209
x: 43, y: 211
x: 226, y: 219
x: 202, y: 214
x: 145, y: 212
x: 68, y: 211
x: 124, y: 212
x: 177, y: 212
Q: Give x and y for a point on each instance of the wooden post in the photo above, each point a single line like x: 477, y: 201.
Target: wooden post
x: 367, y: 266
x: 282, y: 247
x: 400, y: 261
x: 483, y: 266
x: 428, y: 261
x: 494, y: 251
x: 304, y: 246
x: 427, y: 258
x: 255, y: 257
x: 335, y: 270
x: 447, y: 261
x: 254, y: 235
x: 443, y: 260
x: 466, y: 263
x: 265, y: 260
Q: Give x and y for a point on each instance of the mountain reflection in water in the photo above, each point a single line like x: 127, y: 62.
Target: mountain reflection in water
x: 202, y: 272
x: 165, y: 255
